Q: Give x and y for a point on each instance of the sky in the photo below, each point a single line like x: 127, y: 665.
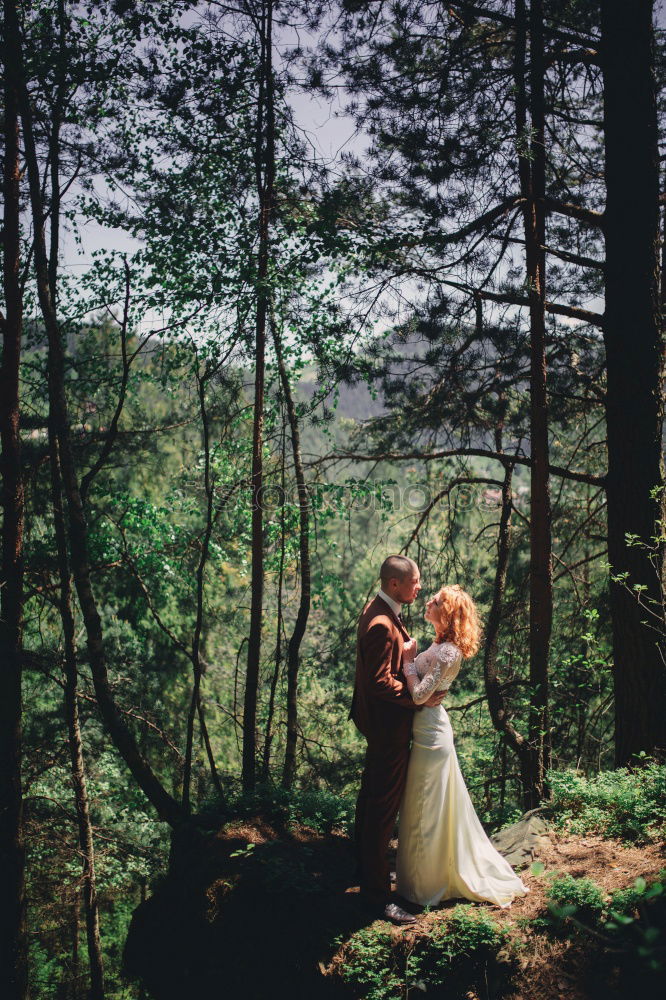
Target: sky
x: 328, y: 129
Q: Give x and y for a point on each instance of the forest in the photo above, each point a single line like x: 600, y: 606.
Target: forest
x: 289, y: 287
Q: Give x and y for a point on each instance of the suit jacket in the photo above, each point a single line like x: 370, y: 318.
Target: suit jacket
x: 382, y: 706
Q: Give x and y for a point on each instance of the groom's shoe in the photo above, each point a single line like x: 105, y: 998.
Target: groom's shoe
x: 396, y: 913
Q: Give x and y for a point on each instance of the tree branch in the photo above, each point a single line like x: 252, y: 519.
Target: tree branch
x: 585, y: 215
x: 506, y: 460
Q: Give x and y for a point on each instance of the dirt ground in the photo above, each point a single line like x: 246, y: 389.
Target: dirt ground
x: 554, y: 968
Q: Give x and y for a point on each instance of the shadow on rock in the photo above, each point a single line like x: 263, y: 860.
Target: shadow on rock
x: 244, y: 913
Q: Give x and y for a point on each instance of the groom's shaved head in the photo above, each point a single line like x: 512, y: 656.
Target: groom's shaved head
x: 397, y: 568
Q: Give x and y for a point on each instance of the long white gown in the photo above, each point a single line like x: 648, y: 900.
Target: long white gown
x: 443, y: 851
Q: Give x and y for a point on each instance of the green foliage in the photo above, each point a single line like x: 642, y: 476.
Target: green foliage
x: 285, y: 873
x: 161, y: 112
x: 244, y: 852
x: 319, y: 809
x: 628, y: 901
x: 636, y: 922
x: 370, y: 965
x: 630, y: 804
x: 630, y: 925
x: 462, y: 950
x: 470, y: 932
x: 324, y: 811
x: 568, y: 895
x: 46, y: 965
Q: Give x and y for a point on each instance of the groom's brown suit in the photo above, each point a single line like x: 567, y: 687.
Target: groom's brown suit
x: 382, y: 709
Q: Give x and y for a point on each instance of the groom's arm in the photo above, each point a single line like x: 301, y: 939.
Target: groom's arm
x: 435, y: 699
x: 377, y: 645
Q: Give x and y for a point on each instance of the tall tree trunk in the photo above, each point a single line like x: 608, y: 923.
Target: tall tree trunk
x: 294, y: 648
x: 532, y: 172
x: 167, y: 807
x: 13, y: 957
x: 277, y: 662
x: 76, y: 925
x: 265, y: 171
x: 634, y: 398
x: 197, y: 669
x: 85, y: 830
x: 497, y: 705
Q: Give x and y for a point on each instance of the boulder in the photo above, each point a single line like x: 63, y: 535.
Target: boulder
x: 522, y: 842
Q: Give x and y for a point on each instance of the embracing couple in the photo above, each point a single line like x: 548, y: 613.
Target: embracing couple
x: 443, y: 851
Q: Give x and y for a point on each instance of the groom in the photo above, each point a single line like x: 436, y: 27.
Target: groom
x: 382, y: 710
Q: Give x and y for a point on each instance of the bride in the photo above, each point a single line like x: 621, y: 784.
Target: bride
x: 443, y: 851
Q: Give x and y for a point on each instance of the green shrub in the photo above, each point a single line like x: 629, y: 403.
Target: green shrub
x: 459, y: 954
x: 627, y: 901
x: 370, y: 965
x: 581, y: 896
x: 469, y: 931
x: 636, y: 924
x: 631, y: 925
x: 466, y: 953
x: 323, y: 810
x: 623, y: 803
x: 317, y: 808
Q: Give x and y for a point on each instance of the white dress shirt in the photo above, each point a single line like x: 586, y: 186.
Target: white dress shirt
x: 393, y: 605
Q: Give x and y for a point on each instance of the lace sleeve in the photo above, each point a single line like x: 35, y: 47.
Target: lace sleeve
x: 425, y: 687
x: 448, y: 659
x: 421, y: 662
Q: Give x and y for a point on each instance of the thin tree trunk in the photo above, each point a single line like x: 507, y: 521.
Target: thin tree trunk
x: 634, y: 397
x: 293, y: 650
x: 76, y: 924
x: 54, y: 156
x: 277, y: 663
x: 167, y: 807
x: 541, y: 574
x: 85, y: 831
x: 13, y: 945
x: 494, y: 694
x: 79, y: 783
x: 195, y: 702
x: 584, y: 689
x: 532, y: 182
x: 502, y: 791
x: 497, y: 706
x: 205, y: 736
x: 265, y: 170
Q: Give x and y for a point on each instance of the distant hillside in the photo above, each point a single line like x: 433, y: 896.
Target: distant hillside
x: 355, y: 402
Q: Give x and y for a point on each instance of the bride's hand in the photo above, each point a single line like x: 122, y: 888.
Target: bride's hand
x: 409, y: 650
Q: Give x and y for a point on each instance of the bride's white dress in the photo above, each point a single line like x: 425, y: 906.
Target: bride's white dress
x: 443, y: 851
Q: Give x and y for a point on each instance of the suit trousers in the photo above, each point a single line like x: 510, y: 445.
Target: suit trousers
x: 382, y: 785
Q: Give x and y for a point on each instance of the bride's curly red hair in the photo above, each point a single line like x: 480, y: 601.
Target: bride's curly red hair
x: 458, y: 620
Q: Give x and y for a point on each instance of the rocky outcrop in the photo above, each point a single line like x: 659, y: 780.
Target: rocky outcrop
x: 524, y: 841
x: 252, y: 911
x: 237, y: 921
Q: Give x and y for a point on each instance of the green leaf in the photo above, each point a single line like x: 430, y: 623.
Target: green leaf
x: 562, y: 912
x: 621, y: 918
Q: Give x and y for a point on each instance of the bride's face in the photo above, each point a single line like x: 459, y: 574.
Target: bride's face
x: 433, y: 611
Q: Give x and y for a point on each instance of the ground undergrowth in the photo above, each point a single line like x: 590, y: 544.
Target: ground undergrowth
x: 264, y: 904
